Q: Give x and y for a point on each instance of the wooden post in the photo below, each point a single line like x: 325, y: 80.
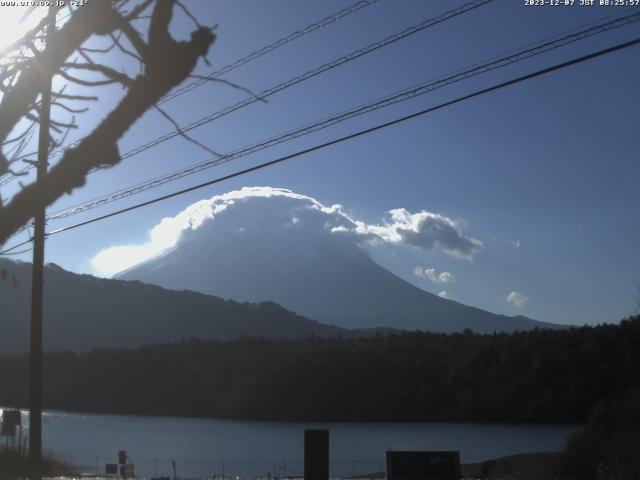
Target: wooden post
x: 316, y: 455
x: 37, y: 281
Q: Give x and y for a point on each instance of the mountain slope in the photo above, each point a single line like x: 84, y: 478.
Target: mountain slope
x: 264, y: 249
x: 84, y: 312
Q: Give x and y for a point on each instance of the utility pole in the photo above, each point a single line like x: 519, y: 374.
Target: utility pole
x: 37, y: 283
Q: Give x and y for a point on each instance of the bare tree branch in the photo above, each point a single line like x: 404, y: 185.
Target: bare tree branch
x: 86, y: 98
x: 189, y: 14
x: 96, y: 18
x: 126, y: 51
x: 135, y: 13
x: 108, y: 72
x: 230, y: 84
x: 184, y: 135
x: 69, y: 109
x: 86, y: 83
x: 136, y: 40
x: 27, y: 37
x: 167, y: 64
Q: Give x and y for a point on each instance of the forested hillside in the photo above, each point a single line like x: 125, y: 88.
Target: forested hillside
x: 106, y: 313
x: 536, y: 376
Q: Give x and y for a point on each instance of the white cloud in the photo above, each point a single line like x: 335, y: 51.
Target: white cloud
x: 513, y: 243
x: 446, y: 277
x: 112, y: 260
x: 164, y: 235
x: 517, y: 299
x: 425, y: 230
x: 431, y: 274
x: 292, y: 212
x: 444, y: 294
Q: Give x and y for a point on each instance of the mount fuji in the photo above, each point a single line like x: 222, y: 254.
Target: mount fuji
x: 266, y: 244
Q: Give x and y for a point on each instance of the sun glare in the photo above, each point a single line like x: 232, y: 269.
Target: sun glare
x: 13, y: 24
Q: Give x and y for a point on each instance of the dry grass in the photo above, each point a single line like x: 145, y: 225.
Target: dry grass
x: 14, y: 466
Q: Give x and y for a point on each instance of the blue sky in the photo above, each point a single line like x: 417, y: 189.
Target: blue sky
x: 543, y: 173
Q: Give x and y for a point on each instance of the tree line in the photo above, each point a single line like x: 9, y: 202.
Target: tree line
x: 534, y: 376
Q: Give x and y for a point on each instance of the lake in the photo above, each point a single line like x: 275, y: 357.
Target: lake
x: 205, y: 447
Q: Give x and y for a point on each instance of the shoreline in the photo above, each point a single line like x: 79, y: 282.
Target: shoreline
x: 25, y: 410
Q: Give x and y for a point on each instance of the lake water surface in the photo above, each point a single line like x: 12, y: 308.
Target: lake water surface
x: 206, y: 447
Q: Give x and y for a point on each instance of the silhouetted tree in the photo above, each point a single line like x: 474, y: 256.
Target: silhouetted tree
x: 536, y: 376
x: 608, y: 445
x: 137, y: 29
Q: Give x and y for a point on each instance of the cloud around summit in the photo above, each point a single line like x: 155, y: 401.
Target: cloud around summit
x: 282, y: 209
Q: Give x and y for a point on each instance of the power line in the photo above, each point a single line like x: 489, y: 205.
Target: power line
x: 359, y: 133
x: 18, y: 245
x: 269, y: 48
x: 298, y: 79
x: 18, y: 253
x: 345, y: 138
x: 241, y: 61
x: 401, y: 96
x: 310, y: 74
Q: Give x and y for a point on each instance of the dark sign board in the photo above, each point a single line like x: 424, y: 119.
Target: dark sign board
x: 7, y: 429
x: 122, y: 457
x: 111, y: 469
x: 423, y: 465
x: 10, y: 421
x: 316, y: 454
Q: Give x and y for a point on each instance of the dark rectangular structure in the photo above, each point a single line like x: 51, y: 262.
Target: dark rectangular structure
x: 426, y: 465
x: 316, y: 455
x: 10, y: 422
